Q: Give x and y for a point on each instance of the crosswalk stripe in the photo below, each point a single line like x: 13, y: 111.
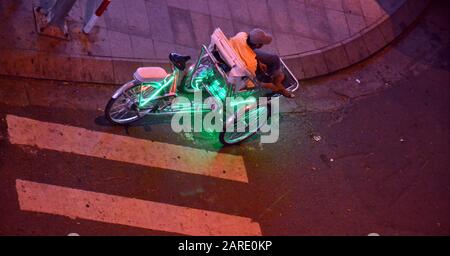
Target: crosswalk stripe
x: 64, y: 138
x: 74, y: 203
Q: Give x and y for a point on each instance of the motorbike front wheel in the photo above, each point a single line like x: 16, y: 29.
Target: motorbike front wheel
x: 244, y: 124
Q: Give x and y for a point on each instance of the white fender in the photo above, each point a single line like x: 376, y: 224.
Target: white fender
x: 124, y: 88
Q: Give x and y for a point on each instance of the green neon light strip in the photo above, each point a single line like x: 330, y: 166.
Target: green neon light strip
x: 192, y: 107
x: 218, y: 90
x: 191, y: 111
x: 197, y: 83
x: 202, y: 78
x: 248, y: 101
x: 208, y: 78
x: 144, y: 102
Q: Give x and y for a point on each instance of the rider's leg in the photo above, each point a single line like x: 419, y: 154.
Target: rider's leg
x: 278, y: 87
x: 278, y: 80
x: 273, y: 71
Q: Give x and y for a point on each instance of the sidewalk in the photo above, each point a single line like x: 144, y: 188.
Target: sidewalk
x: 314, y: 37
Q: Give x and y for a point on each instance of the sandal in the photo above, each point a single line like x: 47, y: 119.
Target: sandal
x: 287, y: 94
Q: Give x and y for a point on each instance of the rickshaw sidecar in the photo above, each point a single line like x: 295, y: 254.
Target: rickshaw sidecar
x: 233, y: 67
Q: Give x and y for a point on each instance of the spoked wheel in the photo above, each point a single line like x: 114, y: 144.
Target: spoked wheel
x: 245, y: 124
x: 123, y: 107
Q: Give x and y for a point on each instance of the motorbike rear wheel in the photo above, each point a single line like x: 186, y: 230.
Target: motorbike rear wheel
x: 123, y: 107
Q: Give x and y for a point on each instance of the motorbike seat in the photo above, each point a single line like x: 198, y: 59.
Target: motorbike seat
x: 179, y: 60
x: 150, y: 74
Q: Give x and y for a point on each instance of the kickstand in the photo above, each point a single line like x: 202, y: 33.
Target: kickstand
x: 127, y: 132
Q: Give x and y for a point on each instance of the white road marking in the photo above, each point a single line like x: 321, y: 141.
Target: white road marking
x: 74, y: 203
x: 64, y: 138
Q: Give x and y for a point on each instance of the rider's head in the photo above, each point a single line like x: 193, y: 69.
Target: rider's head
x: 258, y: 37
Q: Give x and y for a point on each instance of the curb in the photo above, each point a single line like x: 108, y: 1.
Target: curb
x: 358, y: 47
x: 32, y: 64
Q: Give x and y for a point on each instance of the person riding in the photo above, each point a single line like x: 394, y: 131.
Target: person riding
x: 265, y: 66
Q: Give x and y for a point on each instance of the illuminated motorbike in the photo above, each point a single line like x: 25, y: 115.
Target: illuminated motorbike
x: 218, y: 73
